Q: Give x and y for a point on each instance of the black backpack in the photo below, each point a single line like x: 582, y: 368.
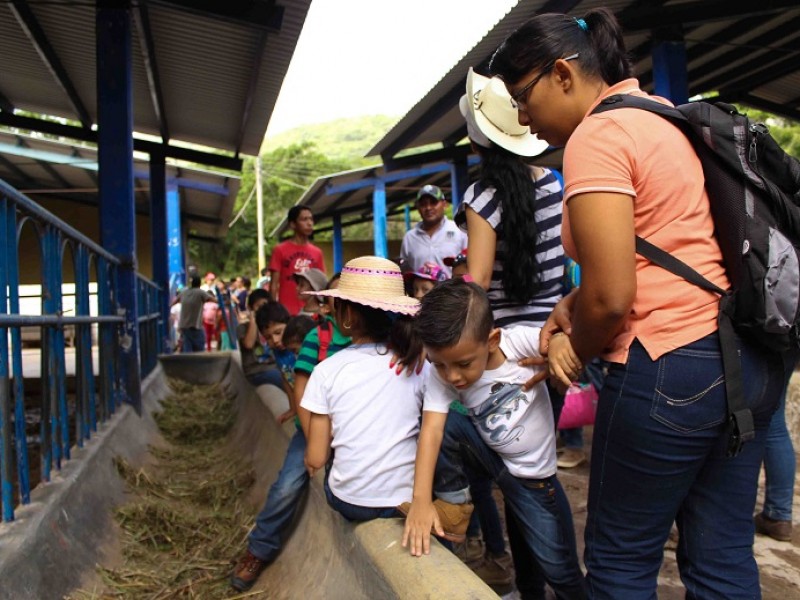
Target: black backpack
x: 754, y: 190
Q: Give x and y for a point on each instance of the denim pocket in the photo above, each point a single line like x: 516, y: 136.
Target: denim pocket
x: 690, y: 390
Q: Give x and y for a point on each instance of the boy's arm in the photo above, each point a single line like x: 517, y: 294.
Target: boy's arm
x: 251, y: 335
x: 422, y: 515
x: 274, y: 284
x: 300, y: 381
x: 319, y: 442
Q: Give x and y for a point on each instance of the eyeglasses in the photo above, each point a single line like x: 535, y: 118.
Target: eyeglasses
x: 519, y: 99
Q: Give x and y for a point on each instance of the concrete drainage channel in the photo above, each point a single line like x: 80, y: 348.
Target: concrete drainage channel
x: 53, y: 547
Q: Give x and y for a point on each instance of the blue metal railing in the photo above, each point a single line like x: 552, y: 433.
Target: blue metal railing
x: 63, y: 422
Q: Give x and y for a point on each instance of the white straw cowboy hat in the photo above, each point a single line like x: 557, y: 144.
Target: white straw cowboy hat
x: 487, y: 108
x: 373, y: 281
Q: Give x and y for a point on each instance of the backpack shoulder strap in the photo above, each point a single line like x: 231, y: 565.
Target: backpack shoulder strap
x: 629, y: 101
x: 325, y: 335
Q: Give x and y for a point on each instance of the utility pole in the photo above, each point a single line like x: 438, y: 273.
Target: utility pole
x: 262, y: 257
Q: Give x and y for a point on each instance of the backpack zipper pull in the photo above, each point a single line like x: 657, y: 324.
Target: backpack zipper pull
x: 757, y: 129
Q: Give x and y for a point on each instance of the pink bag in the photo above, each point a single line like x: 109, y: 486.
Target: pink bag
x: 580, y: 406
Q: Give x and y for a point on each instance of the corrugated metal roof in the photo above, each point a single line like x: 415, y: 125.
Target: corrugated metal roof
x: 729, y: 47
x: 205, y: 65
x: 40, y: 167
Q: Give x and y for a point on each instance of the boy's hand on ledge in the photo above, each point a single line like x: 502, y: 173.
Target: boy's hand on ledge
x: 285, y: 416
x: 417, y: 532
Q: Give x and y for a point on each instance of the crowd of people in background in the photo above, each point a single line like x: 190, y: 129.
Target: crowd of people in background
x: 492, y: 327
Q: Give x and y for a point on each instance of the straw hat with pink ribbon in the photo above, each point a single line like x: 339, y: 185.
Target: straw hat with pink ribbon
x: 375, y: 282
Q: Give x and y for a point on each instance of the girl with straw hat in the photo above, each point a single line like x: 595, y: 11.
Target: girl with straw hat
x: 359, y: 408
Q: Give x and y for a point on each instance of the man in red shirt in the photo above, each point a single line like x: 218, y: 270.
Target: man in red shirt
x: 293, y: 256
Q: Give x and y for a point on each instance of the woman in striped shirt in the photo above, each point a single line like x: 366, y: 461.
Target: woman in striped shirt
x: 512, y: 214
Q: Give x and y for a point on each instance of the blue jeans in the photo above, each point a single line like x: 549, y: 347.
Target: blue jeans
x: 658, y: 457
x: 572, y: 438
x: 271, y: 376
x: 486, y: 515
x: 283, y: 500
x: 194, y: 340
x: 539, y: 506
x: 353, y: 512
x: 779, y: 465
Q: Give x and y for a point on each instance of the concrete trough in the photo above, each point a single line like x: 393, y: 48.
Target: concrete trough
x: 53, y: 546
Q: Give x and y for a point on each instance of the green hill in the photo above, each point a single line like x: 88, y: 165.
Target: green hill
x: 347, y: 139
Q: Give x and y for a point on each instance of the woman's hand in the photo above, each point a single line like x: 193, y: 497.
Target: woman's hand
x: 417, y: 532
x: 563, y: 362
x: 559, y: 320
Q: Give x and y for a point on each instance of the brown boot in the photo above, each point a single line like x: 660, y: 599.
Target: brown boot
x: 454, y: 518
x: 470, y: 552
x: 246, y: 572
x: 496, y: 571
x: 777, y: 530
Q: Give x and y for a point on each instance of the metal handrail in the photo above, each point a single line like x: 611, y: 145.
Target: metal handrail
x: 64, y: 421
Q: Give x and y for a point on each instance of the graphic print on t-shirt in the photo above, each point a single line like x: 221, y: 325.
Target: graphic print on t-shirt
x: 298, y: 263
x: 494, y: 415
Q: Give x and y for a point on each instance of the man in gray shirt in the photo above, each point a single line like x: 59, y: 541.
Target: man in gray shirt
x: 190, y: 324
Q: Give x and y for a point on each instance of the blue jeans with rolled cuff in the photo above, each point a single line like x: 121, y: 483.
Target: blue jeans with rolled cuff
x: 539, y: 506
x: 659, y: 456
x: 283, y: 500
x: 270, y: 376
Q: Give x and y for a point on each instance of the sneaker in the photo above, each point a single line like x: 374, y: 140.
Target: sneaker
x: 496, y: 570
x: 470, y: 552
x: 777, y: 530
x: 246, y: 572
x: 569, y: 458
x: 454, y: 518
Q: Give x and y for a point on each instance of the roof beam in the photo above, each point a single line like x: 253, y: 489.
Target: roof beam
x: 5, y: 103
x: 221, y: 161
x: 782, y: 110
x: 47, y: 166
x: 23, y: 176
x: 698, y: 48
x: 644, y: 16
x: 730, y: 61
x: 423, y: 158
x: 452, y: 96
x: 264, y: 14
x: 141, y: 18
x: 750, y: 74
x: 30, y: 25
x: 261, y: 43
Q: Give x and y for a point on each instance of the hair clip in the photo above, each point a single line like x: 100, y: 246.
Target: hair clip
x: 582, y: 24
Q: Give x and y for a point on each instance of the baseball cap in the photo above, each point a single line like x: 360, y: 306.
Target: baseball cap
x: 317, y: 279
x: 432, y: 191
x: 429, y: 271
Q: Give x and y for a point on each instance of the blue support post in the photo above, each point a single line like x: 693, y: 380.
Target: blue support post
x: 407, y: 216
x: 338, y: 247
x: 115, y: 157
x: 670, y: 78
x: 379, y: 219
x: 459, y: 180
x: 174, y: 242
x: 160, y: 246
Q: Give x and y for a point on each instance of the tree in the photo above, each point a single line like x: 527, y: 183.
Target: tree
x: 287, y: 173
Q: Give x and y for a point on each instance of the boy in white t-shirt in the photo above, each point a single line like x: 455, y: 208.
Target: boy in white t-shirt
x: 509, y: 434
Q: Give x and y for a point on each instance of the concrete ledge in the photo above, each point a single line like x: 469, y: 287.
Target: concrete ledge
x: 56, y: 540
x: 53, y: 546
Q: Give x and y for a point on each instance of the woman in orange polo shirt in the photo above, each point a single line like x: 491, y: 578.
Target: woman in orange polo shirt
x: 659, y: 442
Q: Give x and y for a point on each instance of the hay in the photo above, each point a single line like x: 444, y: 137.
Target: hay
x: 187, y: 517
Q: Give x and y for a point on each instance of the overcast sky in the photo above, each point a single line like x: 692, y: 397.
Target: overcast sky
x: 368, y: 57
